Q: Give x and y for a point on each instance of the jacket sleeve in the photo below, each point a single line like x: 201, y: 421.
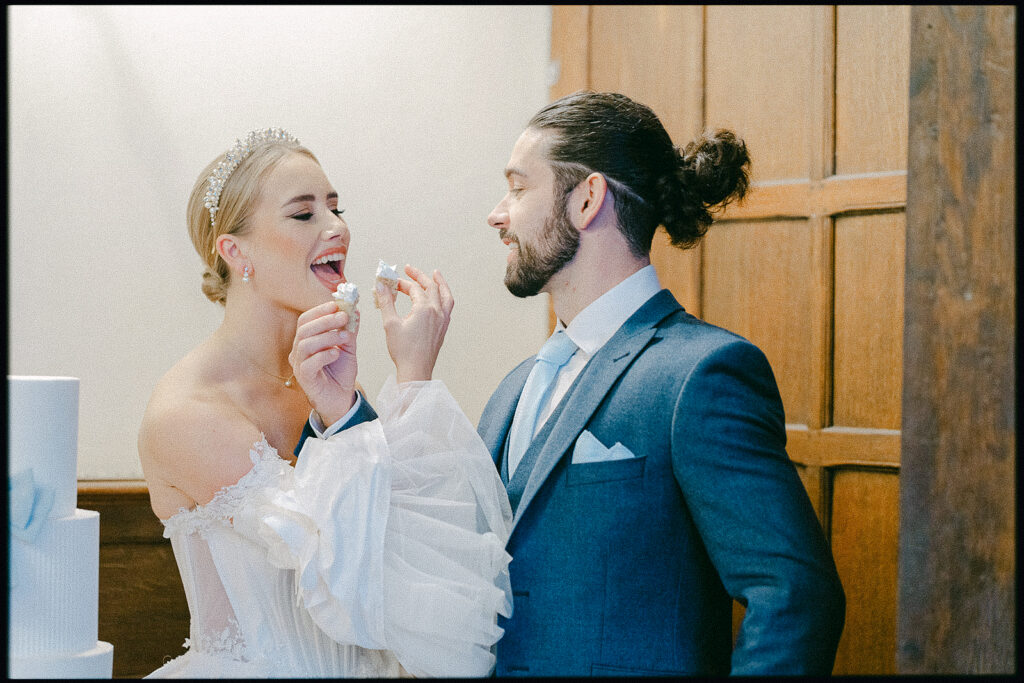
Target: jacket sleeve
x: 365, y: 413
x: 754, y: 515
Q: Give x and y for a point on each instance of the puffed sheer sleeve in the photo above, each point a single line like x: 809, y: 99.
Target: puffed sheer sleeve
x: 396, y: 532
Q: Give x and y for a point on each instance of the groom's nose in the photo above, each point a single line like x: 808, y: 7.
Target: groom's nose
x: 498, y: 217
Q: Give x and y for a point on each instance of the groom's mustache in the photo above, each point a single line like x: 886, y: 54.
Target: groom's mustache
x: 504, y: 234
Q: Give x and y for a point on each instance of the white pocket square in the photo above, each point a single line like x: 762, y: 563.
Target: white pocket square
x: 589, y: 449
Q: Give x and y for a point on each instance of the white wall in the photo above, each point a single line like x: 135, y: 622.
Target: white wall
x: 114, y: 111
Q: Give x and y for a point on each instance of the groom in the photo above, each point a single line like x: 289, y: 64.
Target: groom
x: 644, y: 454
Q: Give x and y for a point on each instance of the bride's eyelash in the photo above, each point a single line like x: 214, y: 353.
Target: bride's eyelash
x: 306, y: 216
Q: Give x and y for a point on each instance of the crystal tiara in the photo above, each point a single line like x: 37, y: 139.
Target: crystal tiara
x: 235, y: 155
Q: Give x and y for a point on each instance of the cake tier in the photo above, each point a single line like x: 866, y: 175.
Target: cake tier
x: 54, y: 594
x: 97, y: 662
x: 43, y: 435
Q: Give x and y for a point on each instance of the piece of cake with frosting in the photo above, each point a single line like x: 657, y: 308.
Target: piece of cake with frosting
x: 347, y: 296
x: 387, y: 276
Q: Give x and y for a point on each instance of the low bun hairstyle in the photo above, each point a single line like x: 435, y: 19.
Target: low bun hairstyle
x: 710, y: 172
x: 233, y: 210
x: 653, y: 181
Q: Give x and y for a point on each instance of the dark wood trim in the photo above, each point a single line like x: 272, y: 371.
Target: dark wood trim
x: 957, y: 546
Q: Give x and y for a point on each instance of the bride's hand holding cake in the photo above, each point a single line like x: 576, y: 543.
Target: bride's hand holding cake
x: 323, y: 359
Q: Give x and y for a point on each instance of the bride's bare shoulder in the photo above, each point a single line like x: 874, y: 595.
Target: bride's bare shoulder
x: 193, y: 440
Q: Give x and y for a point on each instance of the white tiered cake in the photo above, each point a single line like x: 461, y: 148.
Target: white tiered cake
x: 54, y: 547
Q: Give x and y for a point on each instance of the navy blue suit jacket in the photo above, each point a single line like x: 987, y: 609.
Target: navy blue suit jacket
x: 629, y: 567
x: 365, y: 413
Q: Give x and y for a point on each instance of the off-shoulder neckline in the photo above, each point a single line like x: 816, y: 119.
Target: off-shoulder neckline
x: 260, y: 451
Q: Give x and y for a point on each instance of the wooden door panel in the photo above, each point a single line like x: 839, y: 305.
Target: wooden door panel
x: 865, y: 539
x: 756, y: 284
x: 678, y: 271
x: 665, y: 79
x: 570, y: 41
x: 871, y: 121
x: 758, y: 82
x: 869, y: 256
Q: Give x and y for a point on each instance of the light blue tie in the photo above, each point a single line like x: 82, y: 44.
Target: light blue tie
x: 555, y: 353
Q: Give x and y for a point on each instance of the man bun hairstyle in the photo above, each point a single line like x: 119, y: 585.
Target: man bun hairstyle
x: 652, y: 181
x: 711, y: 172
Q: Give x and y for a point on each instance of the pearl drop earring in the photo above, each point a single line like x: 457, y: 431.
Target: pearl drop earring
x: 245, y: 274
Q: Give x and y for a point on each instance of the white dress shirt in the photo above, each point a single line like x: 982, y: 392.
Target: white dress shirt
x: 318, y: 426
x: 594, y: 326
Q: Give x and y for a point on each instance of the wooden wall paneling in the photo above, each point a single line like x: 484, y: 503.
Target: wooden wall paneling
x: 865, y: 197
x: 864, y: 536
x: 679, y: 271
x: 654, y: 54
x: 822, y: 104
x: 957, y: 576
x: 821, y: 294
x: 758, y: 81
x: 756, y: 285
x: 142, y: 608
x: 822, y: 162
x: 764, y: 55
x: 570, y: 48
x: 868, y: 320
x: 831, y: 196
x: 871, y: 121
x: 839, y: 446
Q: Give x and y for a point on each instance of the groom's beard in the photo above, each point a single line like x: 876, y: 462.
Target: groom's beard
x: 535, y: 264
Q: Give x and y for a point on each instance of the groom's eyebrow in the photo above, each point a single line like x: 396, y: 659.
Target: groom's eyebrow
x: 512, y: 170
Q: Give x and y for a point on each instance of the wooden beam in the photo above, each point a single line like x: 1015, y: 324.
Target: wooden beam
x: 832, y: 196
x: 957, y: 569
x: 843, y: 446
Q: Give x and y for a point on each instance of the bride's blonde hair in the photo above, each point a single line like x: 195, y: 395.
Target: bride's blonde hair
x: 234, y: 208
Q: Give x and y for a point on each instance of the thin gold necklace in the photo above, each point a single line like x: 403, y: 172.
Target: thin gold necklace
x: 288, y: 381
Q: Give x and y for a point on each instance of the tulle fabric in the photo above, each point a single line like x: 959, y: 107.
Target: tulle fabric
x: 383, y: 546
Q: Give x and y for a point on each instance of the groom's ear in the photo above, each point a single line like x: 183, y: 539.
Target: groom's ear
x: 587, y: 199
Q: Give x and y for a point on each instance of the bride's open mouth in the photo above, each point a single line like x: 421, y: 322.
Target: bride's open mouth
x: 329, y: 268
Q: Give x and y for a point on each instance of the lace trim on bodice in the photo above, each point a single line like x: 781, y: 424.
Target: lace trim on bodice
x: 266, y: 465
x: 228, y: 642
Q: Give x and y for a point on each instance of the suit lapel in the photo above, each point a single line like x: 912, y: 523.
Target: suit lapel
x: 517, y: 485
x: 496, y: 419
x: 590, y: 389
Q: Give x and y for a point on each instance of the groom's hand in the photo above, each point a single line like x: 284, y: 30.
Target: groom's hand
x: 415, y: 340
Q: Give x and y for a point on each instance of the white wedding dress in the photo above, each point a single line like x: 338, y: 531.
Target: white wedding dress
x: 380, y: 553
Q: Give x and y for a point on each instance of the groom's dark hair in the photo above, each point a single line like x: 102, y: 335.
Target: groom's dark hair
x: 653, y: 181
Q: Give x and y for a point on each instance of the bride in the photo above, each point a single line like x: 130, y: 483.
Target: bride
x: 378, y: 550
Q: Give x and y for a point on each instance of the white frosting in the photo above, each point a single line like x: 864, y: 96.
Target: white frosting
x: 348, y: 293
x: 386, y: 272
x: 97, y: 662
x: 43, y: 436
x: 54, y: 574
x: 54, y: 602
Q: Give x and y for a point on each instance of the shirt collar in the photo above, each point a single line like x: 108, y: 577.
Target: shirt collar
x: 597, y: 323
